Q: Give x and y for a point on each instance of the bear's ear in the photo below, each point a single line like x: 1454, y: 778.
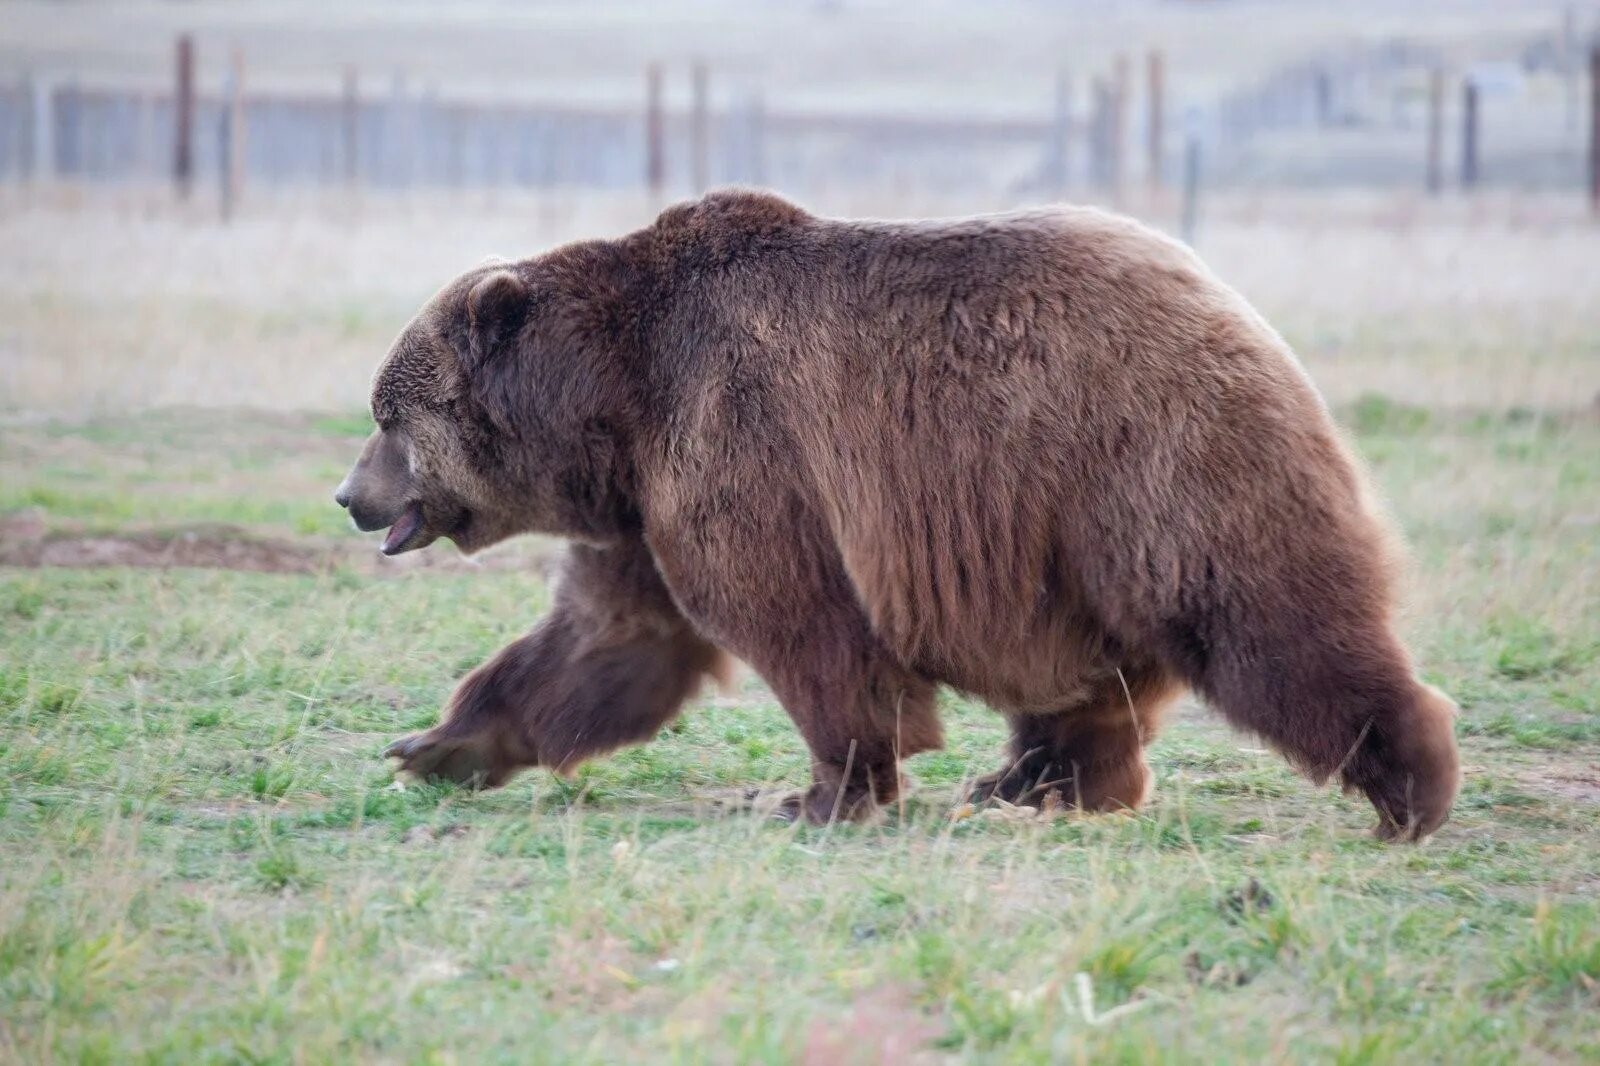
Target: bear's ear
x: 497, y: 307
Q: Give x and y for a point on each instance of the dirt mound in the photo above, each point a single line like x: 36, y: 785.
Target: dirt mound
x: 26, y: 541
x: 190, y: 548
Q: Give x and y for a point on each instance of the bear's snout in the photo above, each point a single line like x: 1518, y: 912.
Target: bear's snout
x: 370, y: 519
x: 380, y: 487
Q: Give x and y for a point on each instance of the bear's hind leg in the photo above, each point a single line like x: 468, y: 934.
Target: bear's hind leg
x: 1342, y: 701
x: 859, y: 713
x: 1410, y: 769
x: 1090, y: 756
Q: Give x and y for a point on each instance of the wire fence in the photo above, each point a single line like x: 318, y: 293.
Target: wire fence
x: 1394, y: 116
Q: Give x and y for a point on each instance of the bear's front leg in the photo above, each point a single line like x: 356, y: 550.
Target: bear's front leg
x: 610, y: 665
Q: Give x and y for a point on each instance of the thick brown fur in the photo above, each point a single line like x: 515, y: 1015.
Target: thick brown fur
x: 610, y: 665
x: 1045, y: 458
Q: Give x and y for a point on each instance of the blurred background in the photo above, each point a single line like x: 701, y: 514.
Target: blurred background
x: 239, y: 204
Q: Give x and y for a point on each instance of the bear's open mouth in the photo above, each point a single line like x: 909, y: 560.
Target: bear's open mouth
x: 405, y: 531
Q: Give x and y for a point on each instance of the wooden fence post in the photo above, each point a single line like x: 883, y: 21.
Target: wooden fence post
x: 1469, y: 134
x: 230, y: 159
x: 1156, y: 89
x: 699, y: 130
x: 183, y: 116
x: 350, y: 127
x: 655, y: 161
x: 1435, y: 174
x: 1594, y: 129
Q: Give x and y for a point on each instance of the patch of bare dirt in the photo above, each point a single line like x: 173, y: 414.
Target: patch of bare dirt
x: 26, y: 541
x: 1576, y: 781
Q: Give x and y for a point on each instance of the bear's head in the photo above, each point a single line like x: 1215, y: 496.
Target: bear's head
x: 500, y: 410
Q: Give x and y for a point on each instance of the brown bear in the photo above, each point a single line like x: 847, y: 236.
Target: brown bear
x: 1044, y: 457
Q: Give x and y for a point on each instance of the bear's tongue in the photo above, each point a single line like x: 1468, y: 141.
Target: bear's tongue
x: 405, y: 529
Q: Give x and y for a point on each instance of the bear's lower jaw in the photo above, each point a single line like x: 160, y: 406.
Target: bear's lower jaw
x: 408, y: 532
x: 468, y: 534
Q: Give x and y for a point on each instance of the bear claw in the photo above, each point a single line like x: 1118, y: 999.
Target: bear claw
x: 427, y: 756
x: 404, y: 748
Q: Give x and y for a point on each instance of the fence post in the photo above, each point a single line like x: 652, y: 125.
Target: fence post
x: 1435, y: 173
x: 655, y: 162
x: 350, y: 126
x: 1594, y: 129
x: 19, y: 131
x: 1322, y: 94
x: 183, y: 116
x: 1156, y: 89
x: 1571, y: 61
x: 38, y: 150
x: 230, y: 158
x: 67, y: 112
x: 1469, y: 134
x: 699, y: 129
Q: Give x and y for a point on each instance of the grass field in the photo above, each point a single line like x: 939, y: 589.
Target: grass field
x: 204, y: 858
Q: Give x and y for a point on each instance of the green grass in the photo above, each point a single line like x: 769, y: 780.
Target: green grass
x: 204, y: 858
x: 185, y: 467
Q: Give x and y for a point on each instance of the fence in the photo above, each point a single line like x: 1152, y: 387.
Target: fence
x: 1379, y: 117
